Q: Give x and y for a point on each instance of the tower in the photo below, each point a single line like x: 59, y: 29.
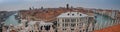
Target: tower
x: 67, y: 6
x: 42, y: 7
x: 30, y: 8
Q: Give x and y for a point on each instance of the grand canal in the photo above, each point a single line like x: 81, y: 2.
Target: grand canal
x: 11, y: 20
x: 102, y: 21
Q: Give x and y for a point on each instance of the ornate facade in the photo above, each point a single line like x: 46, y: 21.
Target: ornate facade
x: 75, y: 22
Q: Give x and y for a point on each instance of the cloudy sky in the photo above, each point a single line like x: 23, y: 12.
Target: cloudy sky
x: 14, y: 5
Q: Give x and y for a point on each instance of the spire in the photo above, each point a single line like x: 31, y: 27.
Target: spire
x: 30, y: 8
x: 42, y: 7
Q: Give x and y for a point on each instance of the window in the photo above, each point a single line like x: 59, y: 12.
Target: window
x: 73, y: 20
x: 57, y: 19
x: 72, y: 14
x: 64, y: 29
x: 83, y: 29
x: 66, y: 24
x: 63, y: 25
x: 79, y: 19
x: 73, y: 25
x: 63, y: 20
x: 67, y: 20
x: 31, y: 31
x: 80, y: 14
x: 58, y: 24
x: 80, y: 24
x: 80, y: 31
x: 68, y: 13
x: 72, y: 29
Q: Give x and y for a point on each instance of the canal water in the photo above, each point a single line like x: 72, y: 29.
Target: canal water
x: 11, y: 20
x: 101, y: 20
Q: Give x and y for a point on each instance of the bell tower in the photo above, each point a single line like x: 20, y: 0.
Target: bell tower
x: 67, y: 6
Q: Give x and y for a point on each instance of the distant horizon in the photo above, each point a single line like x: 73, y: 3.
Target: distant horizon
x: 13, y: 5
x: 55, y: 7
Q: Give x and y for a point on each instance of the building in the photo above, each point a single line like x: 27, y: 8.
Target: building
x: 3, y: 16
x: 69, y: 21
x: 31, y: 26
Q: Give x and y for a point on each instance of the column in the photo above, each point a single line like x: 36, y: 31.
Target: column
x: 51, y: 29
x: 76, y: 22
x: 43, y: 29
x: 83, y: 30
x: 112, y: 23
x: 76, y: 29
x: 117, y: 22
x: 60, y: 22
x: 59, y: 29
x: 68, y: 29
x: 91, y: 25
x: 70, y: 24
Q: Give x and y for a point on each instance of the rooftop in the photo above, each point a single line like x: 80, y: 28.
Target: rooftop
x: 50, y: 14
x: 115, y: 28
x: 72, y: 14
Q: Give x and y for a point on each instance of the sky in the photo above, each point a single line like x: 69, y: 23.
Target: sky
x: 15, y: 5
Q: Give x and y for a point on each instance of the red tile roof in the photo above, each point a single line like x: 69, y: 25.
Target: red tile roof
x: 46, y: 14
x: 115, y: 28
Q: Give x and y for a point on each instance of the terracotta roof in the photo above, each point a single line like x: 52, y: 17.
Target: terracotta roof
x: 90, y: 14
x: 115, y: 28
x: 48, y: 14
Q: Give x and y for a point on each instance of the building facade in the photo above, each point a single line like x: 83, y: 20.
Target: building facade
x: 75, y: 22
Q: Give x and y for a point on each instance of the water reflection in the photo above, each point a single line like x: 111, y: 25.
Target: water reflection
x: 11, y: 20
x: 102, y: 21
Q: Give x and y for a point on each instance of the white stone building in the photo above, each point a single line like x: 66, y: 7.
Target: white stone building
x: 71, y: 21
x: 32, y: 26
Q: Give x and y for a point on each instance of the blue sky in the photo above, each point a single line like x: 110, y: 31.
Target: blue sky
x: 12, y: 5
